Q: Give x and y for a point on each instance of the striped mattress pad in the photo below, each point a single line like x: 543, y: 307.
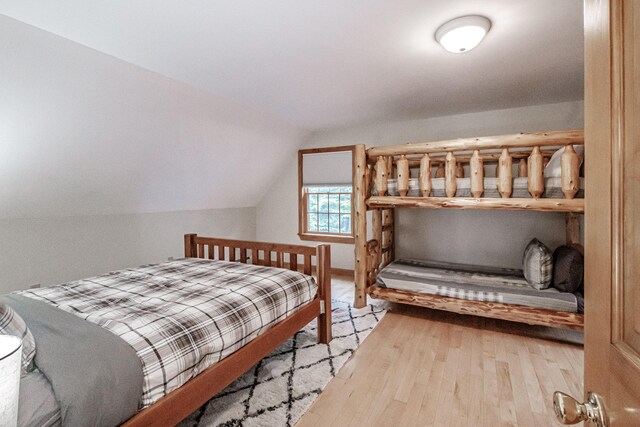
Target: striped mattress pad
x: 184, y: 315
x: 475, y: 283
x: 552, y: 188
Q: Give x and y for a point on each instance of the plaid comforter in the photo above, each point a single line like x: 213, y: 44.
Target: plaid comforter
x: 183, y: 316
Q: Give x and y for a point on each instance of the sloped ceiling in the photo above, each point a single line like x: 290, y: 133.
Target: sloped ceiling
x: 83, y: 133
x: 329, y: 63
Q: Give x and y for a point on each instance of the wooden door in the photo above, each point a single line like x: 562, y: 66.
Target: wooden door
x: 612, y: 214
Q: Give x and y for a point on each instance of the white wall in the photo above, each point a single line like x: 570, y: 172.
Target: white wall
x: 92, y: 147
x: 489, y: 238
x: 59, y: 249
x: 84, y: 133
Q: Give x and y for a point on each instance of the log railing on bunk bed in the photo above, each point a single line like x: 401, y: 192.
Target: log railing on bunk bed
x: 527, y: 153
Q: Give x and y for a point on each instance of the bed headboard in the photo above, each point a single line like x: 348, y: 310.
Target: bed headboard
x: 293, y: 257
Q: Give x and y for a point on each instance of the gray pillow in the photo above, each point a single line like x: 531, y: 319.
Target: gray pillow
x: 537, y: 264
x: 12, y: 324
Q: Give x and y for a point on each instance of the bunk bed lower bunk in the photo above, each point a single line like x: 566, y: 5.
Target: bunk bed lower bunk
x: 533, y: 171
x: 478, y: 290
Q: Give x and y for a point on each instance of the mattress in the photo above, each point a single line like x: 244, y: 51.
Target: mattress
x: 553, y: 188
x: 474, y: 283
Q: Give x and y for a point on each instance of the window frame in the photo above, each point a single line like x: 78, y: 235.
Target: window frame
x: 302, y: 200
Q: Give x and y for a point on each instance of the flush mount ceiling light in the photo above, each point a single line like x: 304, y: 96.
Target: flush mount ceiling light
x: 463, y: 34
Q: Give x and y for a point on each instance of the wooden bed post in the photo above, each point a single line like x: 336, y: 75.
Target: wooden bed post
x: 367, y: 180
x: 376, y: 222
x: 570, y: 168
x: 505, y: 174
x: 402, y: 168
x: 387, y: 244
x: 324, y: 292
x: 360, y: 222
x: 381, y: 176
x: 425, y: 177
x: 572, y: 222
x: 536, y: 173
x: 523, y: 171
x: 450, y: 184
x: 476, y: 167
x: 391, y: 220
x: 190, y: 248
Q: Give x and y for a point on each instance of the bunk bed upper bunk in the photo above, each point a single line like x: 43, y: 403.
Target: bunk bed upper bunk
x: 530, y: 150
x: 533, y: 171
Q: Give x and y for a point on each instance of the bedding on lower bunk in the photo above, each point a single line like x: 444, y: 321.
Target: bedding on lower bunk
x: 552, y: 188
x: 476, y: 283
x: 181, y: 316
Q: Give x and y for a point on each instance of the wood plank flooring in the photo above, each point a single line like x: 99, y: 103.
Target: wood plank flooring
x: 421, y: 367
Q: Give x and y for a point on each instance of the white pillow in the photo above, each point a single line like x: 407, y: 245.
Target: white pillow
x: 554, y: 169
x: 12, y: 324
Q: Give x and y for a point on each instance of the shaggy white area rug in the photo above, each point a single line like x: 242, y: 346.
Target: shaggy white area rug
x: 281, y: 387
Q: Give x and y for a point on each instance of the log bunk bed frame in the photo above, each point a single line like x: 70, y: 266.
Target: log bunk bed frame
x: 177, y: 405
x: 374, y: 166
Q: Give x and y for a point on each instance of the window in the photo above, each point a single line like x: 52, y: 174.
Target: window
x: 325, y: 191
x: 328, y: 209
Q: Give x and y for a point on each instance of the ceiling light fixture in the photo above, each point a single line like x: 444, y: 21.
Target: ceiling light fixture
x: 463, y: 34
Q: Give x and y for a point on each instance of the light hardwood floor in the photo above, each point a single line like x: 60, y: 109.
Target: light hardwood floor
x: 421, y: 367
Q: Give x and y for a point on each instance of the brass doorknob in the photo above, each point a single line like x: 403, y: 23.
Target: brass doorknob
x: 569, y: 411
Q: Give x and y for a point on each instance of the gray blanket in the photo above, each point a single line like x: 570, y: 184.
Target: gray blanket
x: 96, y: 376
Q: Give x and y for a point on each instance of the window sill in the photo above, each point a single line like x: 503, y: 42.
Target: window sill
x: 331, y: 238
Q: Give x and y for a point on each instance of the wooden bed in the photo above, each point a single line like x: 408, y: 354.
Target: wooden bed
x: 178, y: 404
x: 528, y: 153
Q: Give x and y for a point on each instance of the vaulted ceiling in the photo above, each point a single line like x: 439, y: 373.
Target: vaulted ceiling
x: 321, y: 64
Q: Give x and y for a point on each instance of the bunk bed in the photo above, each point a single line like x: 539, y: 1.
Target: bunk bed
x: 455, y: 174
